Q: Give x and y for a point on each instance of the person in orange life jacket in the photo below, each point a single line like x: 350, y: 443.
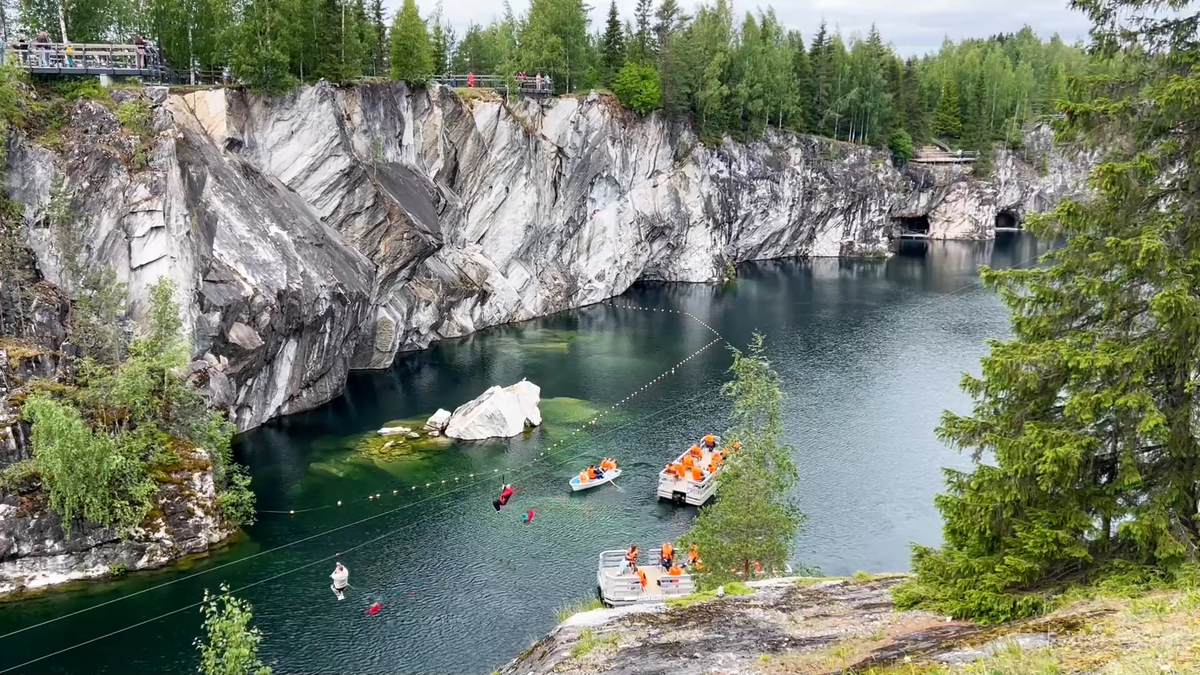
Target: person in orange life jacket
x: 505, y: 495
x: 697, y: 474
x: 688, y: 462
x: 693, y: 554
x: 632, y: 555
x: 710, y: 441
x: 695, y: 451
x: 642, y: 578
x: 583, y: 476
x: 668, y: 555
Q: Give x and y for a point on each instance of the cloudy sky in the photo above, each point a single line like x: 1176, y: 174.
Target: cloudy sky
x: 913, y: 26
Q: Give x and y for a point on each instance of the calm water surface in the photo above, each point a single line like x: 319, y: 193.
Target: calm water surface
x: 871, y: 352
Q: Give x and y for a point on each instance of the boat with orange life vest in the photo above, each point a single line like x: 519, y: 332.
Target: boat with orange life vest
x: 585, y: 482
x: 692, y: 478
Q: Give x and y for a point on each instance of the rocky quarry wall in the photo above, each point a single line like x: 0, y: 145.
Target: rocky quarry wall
x: 332, y: 228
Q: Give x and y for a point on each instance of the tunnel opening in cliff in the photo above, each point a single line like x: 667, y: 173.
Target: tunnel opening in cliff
x: 912, y: 225
x: 1008, y: 221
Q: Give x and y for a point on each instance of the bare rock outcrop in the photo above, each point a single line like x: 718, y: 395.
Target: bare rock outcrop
x: 499, y: 412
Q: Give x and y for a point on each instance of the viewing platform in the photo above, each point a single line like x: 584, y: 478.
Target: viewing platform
x: 57, y: 58
x: 528, y: 86
x: 688, y: 490
x: 617, y: 590
x: 932, y: 154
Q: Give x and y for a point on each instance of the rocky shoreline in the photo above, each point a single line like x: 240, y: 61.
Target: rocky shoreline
x: 814, y: 626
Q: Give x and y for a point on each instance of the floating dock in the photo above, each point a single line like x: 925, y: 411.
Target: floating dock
x: 688, y: 490
x: 618, y: 590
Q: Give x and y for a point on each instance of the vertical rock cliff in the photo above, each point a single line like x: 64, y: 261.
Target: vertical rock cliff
x: 332, y: 228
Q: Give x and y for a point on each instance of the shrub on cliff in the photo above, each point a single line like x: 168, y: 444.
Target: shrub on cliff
x: 754, y: 519
x: 637, y: 87
x: 1087, y: 416
x: 95, y: 447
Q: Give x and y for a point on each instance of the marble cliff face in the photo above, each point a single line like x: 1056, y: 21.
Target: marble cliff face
x: 332, y: 228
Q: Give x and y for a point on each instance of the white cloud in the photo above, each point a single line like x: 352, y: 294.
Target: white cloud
x: 913, y: 26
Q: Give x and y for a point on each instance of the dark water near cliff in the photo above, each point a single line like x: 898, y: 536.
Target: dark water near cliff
x: 871, y: 353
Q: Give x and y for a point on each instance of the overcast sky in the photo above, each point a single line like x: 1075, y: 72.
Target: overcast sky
x: 913, y: 26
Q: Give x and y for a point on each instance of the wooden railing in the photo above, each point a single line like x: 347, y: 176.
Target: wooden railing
x: 57, y: 58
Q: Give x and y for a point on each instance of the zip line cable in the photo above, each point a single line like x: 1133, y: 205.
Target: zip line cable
x: 273, y: 577
x: 360, y: 521
x: 515, y: 470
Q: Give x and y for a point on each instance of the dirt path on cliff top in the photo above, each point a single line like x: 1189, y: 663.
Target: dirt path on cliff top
x: 789, y: 627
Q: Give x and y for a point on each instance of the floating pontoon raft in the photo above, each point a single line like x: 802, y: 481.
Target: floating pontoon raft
x: 686, y: 490
x: 618, y: 589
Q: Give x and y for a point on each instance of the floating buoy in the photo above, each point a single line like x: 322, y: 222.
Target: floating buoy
x: 339, y: 503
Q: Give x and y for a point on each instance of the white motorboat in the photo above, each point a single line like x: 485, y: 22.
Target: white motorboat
x: 609, y: 475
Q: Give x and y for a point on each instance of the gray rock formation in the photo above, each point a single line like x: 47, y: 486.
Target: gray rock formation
x: 34, y: 553
x: 334, y: 227
x: 499, y: 412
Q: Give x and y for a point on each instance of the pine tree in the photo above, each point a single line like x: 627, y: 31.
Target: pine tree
x: 612, y: 46
x: 411, y: 54
x: 947, y: 122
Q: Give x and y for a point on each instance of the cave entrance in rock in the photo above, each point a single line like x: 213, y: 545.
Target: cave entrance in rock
x: 912, y: 227
x: 1007, y: 221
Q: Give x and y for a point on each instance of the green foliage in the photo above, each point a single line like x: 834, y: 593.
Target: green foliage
x: 901, y: 145
x: 587, y: 605
x: 754, y: 519
x: 230, y: 644
x: 13, y: 476
x: 553, y: 41
x: 612, y: 46
x: 1087, y: 414
x: 118, y: 570
x: 412, y: 56
x: 588, y: 641
x: 947, y: 120
x: 260, y: 54
x: 731, y: 588
x: 82, y: 88
x: 94, y: 448
x: 97, y: 477
x: 636, y: 86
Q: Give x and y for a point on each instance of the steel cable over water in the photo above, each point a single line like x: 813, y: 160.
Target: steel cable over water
x: 313, y: 563
x: 474, y: 479
x: 542, y: 456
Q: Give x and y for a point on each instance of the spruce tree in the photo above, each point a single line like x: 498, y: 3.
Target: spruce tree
x: 612, y: 46
x: 947, y: 120
x: 641, y: 46
x: 820, y: 62
x: 411, y: 54
x: 1086, y: 416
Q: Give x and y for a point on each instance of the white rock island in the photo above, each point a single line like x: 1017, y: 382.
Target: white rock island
x: 500, y: 412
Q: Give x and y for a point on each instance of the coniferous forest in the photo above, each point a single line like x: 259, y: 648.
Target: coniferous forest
x: 732, y: 73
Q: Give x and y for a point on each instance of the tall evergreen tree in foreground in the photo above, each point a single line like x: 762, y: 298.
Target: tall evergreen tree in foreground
x: 411, y: 53
x: 1087, y: 416
x: 754, y: 519
x: 230, y: 644
x: 947, y: 119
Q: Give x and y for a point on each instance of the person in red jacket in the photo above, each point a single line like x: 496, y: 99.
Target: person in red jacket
x: 505, y: 495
